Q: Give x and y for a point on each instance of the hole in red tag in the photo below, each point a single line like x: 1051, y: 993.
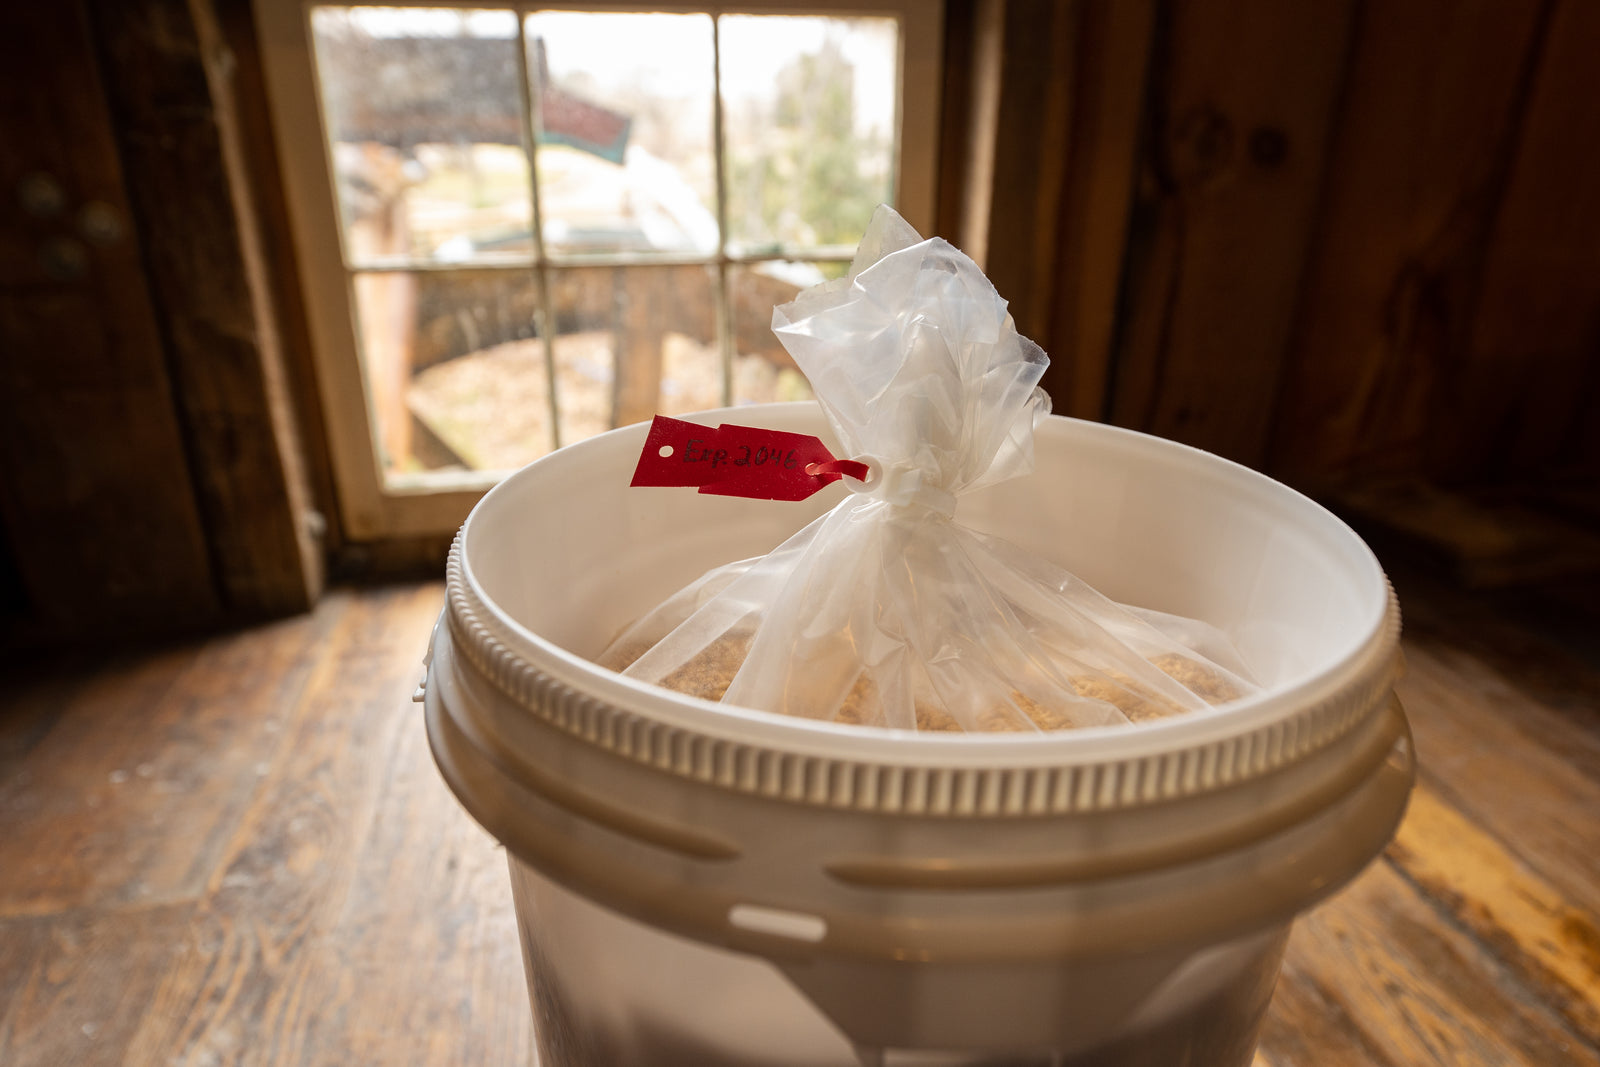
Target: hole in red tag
x: 665, y: 452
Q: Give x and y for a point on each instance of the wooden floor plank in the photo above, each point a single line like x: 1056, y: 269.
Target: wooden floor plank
x: 136, y: 789
x: 92, y: 687
x: 259, y: 994
x: 1417, y: 991
x: 86, y: 983
x: 1543, y: 643
x: 1307, y: 1026
x: 1514, y: 768
x: 1525, y: 922
x: 427, y: 868
x: 28, y: 711
x: 23, y: 942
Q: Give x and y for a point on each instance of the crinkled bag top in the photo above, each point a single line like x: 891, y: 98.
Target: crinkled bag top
x: 887, y: 611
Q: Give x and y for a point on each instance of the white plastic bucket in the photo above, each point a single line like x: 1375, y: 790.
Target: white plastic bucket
x: 704, y: 885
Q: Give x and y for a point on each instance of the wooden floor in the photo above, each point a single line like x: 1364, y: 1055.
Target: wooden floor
x: 238, y: 852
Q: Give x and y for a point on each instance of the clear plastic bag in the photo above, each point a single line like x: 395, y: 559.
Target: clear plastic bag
x: 887, y: 611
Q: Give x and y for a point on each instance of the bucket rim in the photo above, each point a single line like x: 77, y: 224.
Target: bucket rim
x: 865, y: 767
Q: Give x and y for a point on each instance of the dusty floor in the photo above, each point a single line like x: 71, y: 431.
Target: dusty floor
x: 238, y: 851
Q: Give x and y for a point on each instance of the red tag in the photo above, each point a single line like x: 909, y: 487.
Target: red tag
x: 738, y: 461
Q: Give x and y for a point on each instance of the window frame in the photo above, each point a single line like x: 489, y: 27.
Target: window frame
x: 369, y: 508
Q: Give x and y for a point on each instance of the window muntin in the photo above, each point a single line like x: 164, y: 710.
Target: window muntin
x: 356, y: 374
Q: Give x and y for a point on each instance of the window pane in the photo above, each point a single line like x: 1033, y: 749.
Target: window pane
x: 423, y: 108
x: 625, y: 158
x: 809, y: 119
x: 455, y: 372
x: 631, y: 342
x: 762, y: 369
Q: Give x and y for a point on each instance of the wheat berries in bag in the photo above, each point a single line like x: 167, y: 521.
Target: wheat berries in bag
x: 887, y: 611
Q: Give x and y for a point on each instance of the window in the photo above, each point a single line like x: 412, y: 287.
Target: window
x: 520, y: 226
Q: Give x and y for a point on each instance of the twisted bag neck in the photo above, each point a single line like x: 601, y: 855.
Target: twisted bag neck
x: 919, y: 369
x: 905, y: 488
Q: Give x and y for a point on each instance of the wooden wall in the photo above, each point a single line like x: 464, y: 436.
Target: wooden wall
x: 1353, y: 243
x: 97, y: 492
x: 149, y: 475
x: 1344, y: 241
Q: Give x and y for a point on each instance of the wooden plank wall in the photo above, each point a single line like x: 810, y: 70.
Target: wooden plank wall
x: 1529, y: 374
x: 151, y: 468
x: 172, y: 129
x: 1243, y: 96
x: 95, y: 489
x: 1447, y: 317
x: 1417, y: 167
x: 234, y: 45
x: 1041, y: 129
x: 1031, y: 127
x: 1345, y: 242
x: 1107, y: 96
